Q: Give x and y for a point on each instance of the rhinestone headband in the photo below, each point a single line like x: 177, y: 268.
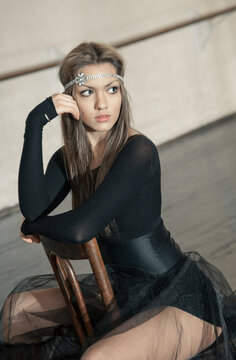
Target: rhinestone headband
x: 82, y: 78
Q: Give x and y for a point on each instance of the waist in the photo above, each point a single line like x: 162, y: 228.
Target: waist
x: 155, y: 252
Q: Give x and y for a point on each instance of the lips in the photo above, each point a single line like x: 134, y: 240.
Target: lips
x: 104, y: 117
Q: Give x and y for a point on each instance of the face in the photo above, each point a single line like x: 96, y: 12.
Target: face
x: 99, y: 100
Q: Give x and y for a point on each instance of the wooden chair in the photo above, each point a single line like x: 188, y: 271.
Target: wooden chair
x: 59, y: 255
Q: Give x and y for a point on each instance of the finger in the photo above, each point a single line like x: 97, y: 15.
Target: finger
x: 72, y: 109
x: 63, y: 102
x: 27, y: 240
x: 37, y: 239
x: 61, y: 99
x: 31, y: 238
x: 61, y: 96
x: 68, y: 107
x: 76, y: 112
x: 66, y: 104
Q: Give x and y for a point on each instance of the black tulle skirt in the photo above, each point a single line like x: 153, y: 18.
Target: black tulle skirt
x: 192, y: 285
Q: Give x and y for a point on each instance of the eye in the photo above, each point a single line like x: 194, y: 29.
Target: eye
x: 113, y: 89
x: 86, y: 92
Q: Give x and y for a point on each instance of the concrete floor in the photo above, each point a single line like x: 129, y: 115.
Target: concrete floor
x: 198, y: 202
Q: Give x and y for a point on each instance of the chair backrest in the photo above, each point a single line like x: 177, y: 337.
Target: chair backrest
x: 59, y: 255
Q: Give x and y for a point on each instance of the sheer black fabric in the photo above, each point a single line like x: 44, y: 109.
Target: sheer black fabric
x: 151, y: 277
x: 192, y: 285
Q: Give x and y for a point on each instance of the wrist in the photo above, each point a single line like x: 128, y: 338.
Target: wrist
x: 42, y: 113
x: 49, y: 109
x: 24, y: 228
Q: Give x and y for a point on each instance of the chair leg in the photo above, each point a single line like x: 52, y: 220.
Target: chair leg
x: 62, y: 281
x: 78, y: 295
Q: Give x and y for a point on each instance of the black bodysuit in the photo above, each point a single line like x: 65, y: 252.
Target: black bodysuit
x: 130, y: 194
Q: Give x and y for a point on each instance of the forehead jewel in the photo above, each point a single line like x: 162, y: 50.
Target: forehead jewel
x: 81, y: 78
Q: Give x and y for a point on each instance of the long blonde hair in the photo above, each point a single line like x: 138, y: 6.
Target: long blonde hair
x: 77, y: 152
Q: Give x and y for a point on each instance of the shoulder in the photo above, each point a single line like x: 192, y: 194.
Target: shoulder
x: 141, y: 151
x: 141, y: 144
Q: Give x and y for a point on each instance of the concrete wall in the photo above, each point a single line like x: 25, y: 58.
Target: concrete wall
x: 178, y: 81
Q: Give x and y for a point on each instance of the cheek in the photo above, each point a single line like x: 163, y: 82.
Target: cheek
x: 84, y: 109
x: 117, y: 106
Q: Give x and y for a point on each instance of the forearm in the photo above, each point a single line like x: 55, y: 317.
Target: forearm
x: 33, y: 197
x: 58, y: 227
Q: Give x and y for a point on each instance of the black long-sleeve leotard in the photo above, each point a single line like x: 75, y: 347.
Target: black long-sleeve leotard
x: 130, y: 194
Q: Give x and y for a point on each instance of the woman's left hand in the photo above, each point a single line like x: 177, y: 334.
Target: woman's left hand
x: 29, y: 238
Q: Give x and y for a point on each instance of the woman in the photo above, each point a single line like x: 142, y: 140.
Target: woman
x: 174, y: 305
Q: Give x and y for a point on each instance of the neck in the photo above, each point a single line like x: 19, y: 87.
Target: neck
x: 96, y: 138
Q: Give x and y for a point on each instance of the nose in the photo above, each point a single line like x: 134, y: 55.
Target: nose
x: 101, y: 102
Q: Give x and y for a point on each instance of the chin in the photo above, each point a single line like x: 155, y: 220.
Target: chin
x: 106, y: 126
x: 98, y: 128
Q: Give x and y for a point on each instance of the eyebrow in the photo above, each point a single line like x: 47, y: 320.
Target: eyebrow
x: 90, y: 87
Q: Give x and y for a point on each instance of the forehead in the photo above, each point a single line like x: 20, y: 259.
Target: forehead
x: 98, y: 69
x: 94, y: 69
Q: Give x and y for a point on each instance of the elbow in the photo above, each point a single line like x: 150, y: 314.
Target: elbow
x: 32, y: 211
x: 83, y: 237
x: 78, y: 236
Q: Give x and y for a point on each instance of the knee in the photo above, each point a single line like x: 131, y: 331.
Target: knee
x: 93, y: 353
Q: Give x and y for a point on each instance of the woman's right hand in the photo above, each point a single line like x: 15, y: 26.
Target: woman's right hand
x: 65, y: 104
x: 29, y: 238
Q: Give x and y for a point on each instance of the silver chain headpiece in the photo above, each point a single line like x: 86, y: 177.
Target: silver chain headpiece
x: 82, y: 78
